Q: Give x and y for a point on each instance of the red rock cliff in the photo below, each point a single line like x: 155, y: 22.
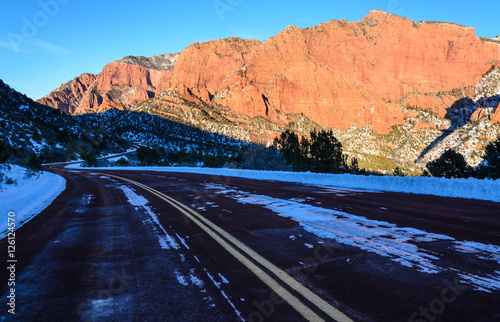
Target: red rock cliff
x: 119, y: 85
x: 208, y: 64
x: 339, y: 74
x: 67, y: 97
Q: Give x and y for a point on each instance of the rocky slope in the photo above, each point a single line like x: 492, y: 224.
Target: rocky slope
x: 67, y: 98
x: 158, y: 62
x: 30, y: 127
x: 122, y: 83
x: 339, y: 74
x: 369, y: 80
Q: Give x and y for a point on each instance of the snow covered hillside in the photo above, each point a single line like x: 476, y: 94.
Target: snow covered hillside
x: 24, y: 195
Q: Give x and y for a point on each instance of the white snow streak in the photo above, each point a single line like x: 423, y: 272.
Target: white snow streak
x: 195, y: 280
x: 166, y: 241
x: 483, y: 283
x: 380, y: 237
x: 218, y: 285
x: 87, y: 199
x: 483, y: 251
x: 180, y: 278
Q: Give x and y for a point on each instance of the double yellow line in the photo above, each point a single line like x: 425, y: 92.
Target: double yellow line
x: 238, y: 250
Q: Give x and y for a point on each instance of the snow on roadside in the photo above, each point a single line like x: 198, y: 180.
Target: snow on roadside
x: 456, y: 188
x: 114, y: 159
x: 28, y: 196
x: 109, y: 157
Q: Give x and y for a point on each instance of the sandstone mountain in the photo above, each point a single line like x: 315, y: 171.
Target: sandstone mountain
x: 366, y: 79
x: 120, y: 84
x: 67, y: 98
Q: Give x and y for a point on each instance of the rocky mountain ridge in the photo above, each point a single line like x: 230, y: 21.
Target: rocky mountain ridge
x: 68, y: 97
x: 31, y: 128
x: 382, y: 75
x: 157, y: 62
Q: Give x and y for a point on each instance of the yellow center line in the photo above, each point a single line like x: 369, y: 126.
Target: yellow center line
x: 263, y: 276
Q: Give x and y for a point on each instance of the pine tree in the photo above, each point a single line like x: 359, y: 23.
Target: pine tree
x: 35, y: 163
x: 491, y: 166
x: 450, y: 164
x: 63, y: 136
x: 398, y: 172
x: 90, y: 158
x: 5, y: 151
x: 291, y: 149
x: 326, y: 153
x: 148, y: 156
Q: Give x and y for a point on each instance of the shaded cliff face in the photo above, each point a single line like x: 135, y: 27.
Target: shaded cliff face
x: 338, y: 74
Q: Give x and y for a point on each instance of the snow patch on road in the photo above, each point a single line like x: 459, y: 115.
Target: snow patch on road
x: 181, y: 278
x: 87, y: 199
x: 399, y: 244
x: 165, y: 240
x: 375, y: 236
x: 133, y: 198
x: 27, y: 196
x: 481, y: 283
x: 483, y: 251
x: 183, y: 242
x: 297, y: 199
x: 224, y: 280
x: 219, y: 285
x: 195, y: 279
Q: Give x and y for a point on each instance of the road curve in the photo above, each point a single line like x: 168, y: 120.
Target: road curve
x: 112, y: 248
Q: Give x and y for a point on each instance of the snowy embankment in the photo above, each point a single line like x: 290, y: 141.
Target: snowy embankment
x: 456, y: 188
x: 26, y: 196
x: 109, y: 157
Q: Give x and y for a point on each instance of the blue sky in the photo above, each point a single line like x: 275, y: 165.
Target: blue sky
x: 44, y: 43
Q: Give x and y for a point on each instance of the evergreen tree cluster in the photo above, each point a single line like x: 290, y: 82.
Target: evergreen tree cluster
x: 148, y: 156
x: 321, y: 153
x: 490, y: 168
x: 452, y: 164
x: 5, y: 151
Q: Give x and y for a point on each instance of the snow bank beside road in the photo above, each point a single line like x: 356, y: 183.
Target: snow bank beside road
x: 456, y: 188
x: 27, y: 197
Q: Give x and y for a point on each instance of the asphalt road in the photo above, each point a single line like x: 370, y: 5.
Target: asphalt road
x: 109, y: 249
